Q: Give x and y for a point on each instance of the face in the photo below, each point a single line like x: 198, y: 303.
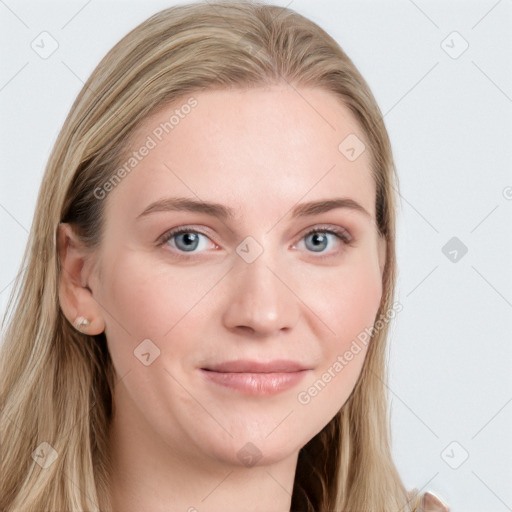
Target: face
x: 236, y: 329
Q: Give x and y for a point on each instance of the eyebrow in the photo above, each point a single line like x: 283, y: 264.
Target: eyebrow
x: 223, y: 212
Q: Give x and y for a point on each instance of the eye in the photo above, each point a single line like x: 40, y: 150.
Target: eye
x: 319, y: 238
x: 187, y: 240
x: 184, y: 239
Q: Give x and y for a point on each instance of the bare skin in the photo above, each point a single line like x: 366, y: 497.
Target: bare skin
x: 179, y: 439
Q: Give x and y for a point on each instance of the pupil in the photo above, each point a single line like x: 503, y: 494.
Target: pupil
x: 190, y: 240
x: 319, y: 241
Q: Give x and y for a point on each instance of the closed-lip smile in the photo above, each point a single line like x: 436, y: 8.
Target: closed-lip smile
x: 256, y: 377
x: 248, y: 366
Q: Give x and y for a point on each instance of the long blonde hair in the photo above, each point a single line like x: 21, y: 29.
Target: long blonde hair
x: 56, y: 383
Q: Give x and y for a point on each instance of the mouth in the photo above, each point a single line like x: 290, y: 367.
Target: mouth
x: 256, y: 377
x: 247, y: 366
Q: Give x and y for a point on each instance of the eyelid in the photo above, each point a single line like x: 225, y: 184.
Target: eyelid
x: 342, y: 233
x: 170, y: 233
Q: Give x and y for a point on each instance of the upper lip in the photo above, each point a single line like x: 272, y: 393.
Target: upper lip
x: 247, y: 366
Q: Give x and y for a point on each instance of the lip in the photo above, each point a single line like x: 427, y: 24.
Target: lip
x: 248, y: 366
x: 256, y: 377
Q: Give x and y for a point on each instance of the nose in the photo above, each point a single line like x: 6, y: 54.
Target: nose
x: 261, y: 301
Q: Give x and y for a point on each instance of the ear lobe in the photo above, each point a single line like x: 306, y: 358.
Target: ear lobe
x: 75, y: 296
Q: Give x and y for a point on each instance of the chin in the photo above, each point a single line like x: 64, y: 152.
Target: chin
x: 255, y: 451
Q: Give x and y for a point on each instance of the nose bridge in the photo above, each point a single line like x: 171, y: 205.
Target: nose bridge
x: 259, y: 298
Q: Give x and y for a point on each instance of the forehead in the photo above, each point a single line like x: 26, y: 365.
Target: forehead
x: 250, y: 147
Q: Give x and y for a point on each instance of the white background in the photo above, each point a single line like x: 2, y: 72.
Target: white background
x: 450, y: 122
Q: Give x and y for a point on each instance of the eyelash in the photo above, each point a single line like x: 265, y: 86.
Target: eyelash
x: 341, y: 233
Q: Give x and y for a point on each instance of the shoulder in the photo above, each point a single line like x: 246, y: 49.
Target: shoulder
x: 426, y: 502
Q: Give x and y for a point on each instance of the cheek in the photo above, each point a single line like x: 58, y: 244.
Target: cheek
x: 358, y: 299
x: 346, y: 300
x: 347, y: 303
x: 144, y: 300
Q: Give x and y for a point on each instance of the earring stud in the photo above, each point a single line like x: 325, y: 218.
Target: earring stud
x: 81, y: 322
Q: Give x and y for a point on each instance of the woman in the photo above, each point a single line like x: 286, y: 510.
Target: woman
x: 209, y: 281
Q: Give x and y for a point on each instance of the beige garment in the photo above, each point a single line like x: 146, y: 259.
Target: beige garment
x: 426, y: 502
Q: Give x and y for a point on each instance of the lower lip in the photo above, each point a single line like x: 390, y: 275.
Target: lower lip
x: 262, y: 384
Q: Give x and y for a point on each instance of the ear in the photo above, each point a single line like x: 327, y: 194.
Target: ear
x: 76, y: 298
x: 382, y: 246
